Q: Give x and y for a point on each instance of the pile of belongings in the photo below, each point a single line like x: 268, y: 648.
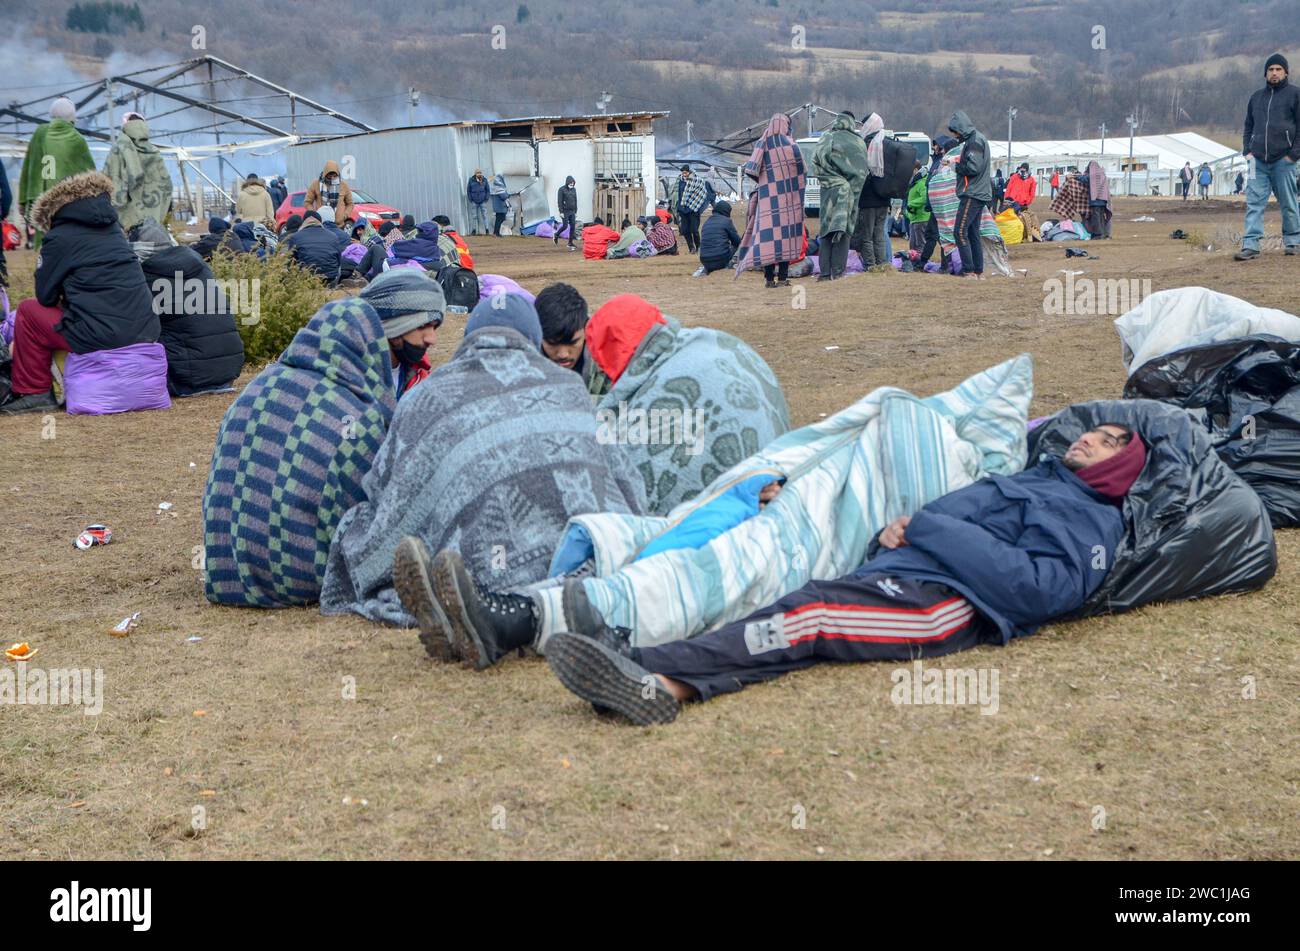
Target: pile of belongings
x: 1235, y: 368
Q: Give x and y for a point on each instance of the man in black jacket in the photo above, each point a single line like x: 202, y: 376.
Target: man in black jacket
x: 567, y: 199
x: 219, y: 236
x: 718, y: 240
x: 974, y: 192
x: 204, y: 351
x: 869, y: 238
x: 90, y: 292
x: 1271, y: 141
x: 315, y: 248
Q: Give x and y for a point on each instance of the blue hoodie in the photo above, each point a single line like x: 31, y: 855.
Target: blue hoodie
x: 1022, y: 549
x: 422, y: 248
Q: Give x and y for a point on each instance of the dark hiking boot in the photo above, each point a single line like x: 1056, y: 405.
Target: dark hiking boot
x: 1245, y: 254
x: 413, y: 579
x: 29, y: 403
x: 1291, y: 251
x: 580, y: 617
x: 609, y: 681
x: 485, y: 625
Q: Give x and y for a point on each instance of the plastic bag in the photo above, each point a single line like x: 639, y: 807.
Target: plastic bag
x: 1192, y: 527
x: 1246, y: 393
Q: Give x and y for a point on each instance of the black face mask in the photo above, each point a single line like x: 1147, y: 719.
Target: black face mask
x: 409, y: 353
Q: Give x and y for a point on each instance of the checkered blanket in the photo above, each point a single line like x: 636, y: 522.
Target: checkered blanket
x: 1071, y: 201
x: 290, y: 457
x: 774, y: 225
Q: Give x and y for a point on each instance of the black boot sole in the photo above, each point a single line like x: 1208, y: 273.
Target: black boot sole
x: 608, y: 680
x: 448, y: 577
x: 411, y: 570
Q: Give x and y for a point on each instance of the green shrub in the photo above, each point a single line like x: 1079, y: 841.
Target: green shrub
x: 287, y: 297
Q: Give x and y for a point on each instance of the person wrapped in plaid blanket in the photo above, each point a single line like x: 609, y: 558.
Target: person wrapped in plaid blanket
x: 774, y: 225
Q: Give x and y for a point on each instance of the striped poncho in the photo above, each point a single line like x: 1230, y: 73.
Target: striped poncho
x: 290, y: 458
x: 942, y: 188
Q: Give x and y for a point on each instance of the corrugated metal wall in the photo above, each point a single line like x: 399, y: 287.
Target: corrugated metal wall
x: 421, y: 172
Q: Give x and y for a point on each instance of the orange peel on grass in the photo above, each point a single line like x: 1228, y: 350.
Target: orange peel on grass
x: 22, y: 651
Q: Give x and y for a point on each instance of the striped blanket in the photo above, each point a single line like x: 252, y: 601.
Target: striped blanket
x: 846, y: 477
x: 944, y: 201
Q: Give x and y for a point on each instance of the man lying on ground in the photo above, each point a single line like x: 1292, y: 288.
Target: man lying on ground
x: 296, y: 444
x: 981, y: 565
x: 90, y: 292
x: 491, y: 457
x: 563, y: 315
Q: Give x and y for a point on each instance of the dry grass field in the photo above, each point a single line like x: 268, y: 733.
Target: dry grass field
x: 1141, y: 714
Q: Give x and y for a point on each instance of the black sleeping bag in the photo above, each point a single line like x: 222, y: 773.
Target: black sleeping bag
x: 1192, y: 527
x: 204, y: 350
x: 1246, y: 392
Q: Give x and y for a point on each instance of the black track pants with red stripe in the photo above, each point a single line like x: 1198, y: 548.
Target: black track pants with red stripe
x: 855, y: 618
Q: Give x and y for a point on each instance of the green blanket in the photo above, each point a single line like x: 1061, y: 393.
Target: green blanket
x: 142, y: 186
x: 56, y: 151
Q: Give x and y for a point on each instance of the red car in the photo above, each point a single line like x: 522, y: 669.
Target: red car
x: 363, y: 206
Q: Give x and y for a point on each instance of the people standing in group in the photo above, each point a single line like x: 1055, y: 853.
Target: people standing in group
x: 1204, y: 178
x: 500, y: 203
x: 840, y: 164
x: 478, y: 193
x: 691, y: 196
x: 278, y: 192
x: 773, y: 236
x: 567, y: 202
x: 974, y: 192
x: 1271, y: 143
x: 869, y: 236
x: 1185, y: 178
x: 718, y: 240
x: 330, y: 189
x: 56, y: 151
x: 255, y: 202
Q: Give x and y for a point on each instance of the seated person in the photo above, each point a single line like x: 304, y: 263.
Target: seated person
x: 722, y: 399
x: 411, y: 306
x: 408, y: 226
x: 595, y: 239
x: 719, y: 239
x: 981, y: 565
x: 563, y: 315
x: 291, y: 225
x: 491, y: 456
x: 662, y: 212
x: 315, y: 248
x: 623, y: 248
x: 219, y: 236
x: 292, y: 453
x: 243, y: 231
x: 377, y: 255
x: 453, y: 246
x: 661, y: 236
x: 331, y: 226
x: 359, y: 237
x: 90, y: 292
x: 422, y: 249
x: 204, y: 350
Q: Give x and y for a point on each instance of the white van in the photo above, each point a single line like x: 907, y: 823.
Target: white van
x: 812, y: 191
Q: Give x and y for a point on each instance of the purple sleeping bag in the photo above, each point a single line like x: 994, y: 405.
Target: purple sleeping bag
x: 489, y: 284
x: 353, y: 253
x: 117, y: 381
x: 547, y: 230
x: 6, y: 320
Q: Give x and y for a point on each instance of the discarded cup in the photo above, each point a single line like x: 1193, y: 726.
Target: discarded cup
x: 125, y: 626
x: 164, y: 506
x: 93, y: 535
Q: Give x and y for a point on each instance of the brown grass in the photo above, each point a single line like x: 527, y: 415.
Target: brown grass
x: 1140, y: 714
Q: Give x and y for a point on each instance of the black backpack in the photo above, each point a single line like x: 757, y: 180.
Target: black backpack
x: 459, y: 286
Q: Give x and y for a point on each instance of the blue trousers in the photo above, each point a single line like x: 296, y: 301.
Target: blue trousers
x: 1277, y: 178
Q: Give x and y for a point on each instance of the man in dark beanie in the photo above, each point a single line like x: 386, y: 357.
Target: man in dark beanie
x: 1271, y: 143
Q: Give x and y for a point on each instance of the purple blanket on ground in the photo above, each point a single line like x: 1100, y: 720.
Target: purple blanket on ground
x: 117, y: 381
x: 6, y: 320
x: 547, y: 230
x: 489, y: 284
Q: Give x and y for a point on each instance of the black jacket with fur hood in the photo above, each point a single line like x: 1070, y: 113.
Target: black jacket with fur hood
x: 87, y: 267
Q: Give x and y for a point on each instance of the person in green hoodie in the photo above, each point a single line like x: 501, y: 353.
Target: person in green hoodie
x: 840, y: 164
x: 56, y: 151
x: 142, y: 186
x: 918, y: 214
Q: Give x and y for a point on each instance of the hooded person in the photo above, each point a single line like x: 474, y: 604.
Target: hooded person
x: 840, y: 165
x: 315, y: 248
x: 142, y: 185
x: 56, y: 151
x: 1271, y: 140
x: 255, y: 202
x: 411, y: 306
x: 376, y: 257
x: 719, y: 240
x: 500, y: 203
x: 566, y: 200
x: 773, y: 236
x: 979, y: 566
x: 974, y: 192
x: 889, y: 168
x: 90, y: 293
x: 290, y: 458
x: 275, y: 188
x: 198, y: 331
x: 715, y: 400
x: 330, y: 189
x: 220, y: 237
x: 490, y: 458
x: 423, y: 248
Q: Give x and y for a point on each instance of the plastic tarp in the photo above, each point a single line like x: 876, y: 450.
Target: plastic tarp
x: 1012, y: 228
x: 1192, y: 527
x: 1236, y: 368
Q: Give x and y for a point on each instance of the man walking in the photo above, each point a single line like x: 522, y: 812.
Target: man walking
x: 692, y: 197
x: 567, y: 201
x: 1185, y: 178
x: 1271, y: 143
x: 1204, y: 178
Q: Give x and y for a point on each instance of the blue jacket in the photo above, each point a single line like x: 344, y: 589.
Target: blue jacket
x: 718, y: 238
x: 423, y: 248
x: 477, y: 190
x: 314, y: 247
x: 1022, y: 549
